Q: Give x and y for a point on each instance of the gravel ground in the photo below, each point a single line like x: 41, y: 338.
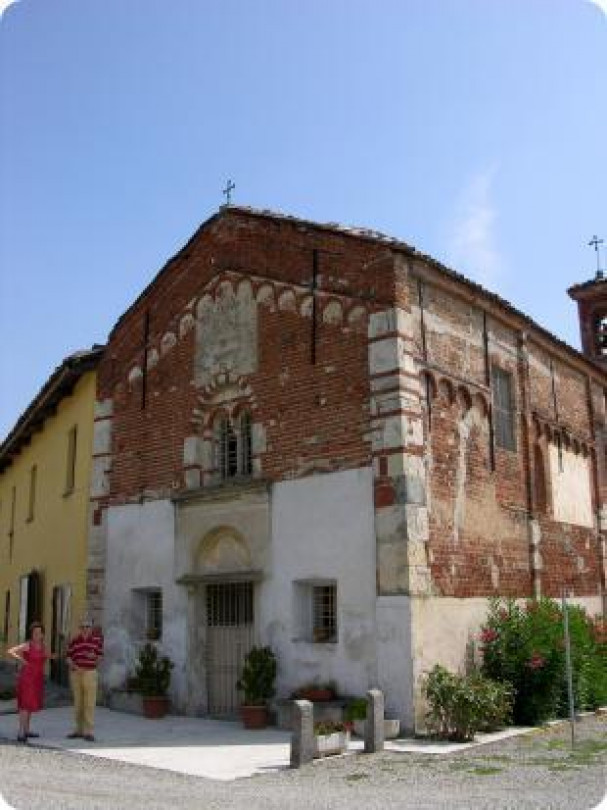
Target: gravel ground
x: 537, y: 771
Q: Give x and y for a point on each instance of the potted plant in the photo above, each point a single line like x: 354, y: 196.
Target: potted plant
x: 152, y: 679
x: 257, y: 682
x: 356, y: 714
x: 331, y: 737
x: 316, y: 692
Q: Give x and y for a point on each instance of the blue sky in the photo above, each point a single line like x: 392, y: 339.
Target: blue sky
x: 474, y: 129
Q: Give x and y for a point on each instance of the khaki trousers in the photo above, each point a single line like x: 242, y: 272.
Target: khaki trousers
x: 84, y: 691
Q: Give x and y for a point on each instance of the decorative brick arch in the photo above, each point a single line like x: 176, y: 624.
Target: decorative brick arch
x: 446, y: 391
x: 463, y: 398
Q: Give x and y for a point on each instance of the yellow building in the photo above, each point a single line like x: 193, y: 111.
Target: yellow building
x: 45, y: 474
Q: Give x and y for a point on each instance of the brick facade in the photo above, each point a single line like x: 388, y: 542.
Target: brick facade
x: 366, y: 353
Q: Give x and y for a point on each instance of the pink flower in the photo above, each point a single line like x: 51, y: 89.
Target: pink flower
x: 488, y: 635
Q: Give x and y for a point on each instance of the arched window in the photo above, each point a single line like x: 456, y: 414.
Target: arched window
x: 233, y: 446
x: 541, y: 494
x: 245, y: 459
x: 600, y: 333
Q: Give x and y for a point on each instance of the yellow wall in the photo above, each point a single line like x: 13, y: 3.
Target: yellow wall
x: 54, y: 542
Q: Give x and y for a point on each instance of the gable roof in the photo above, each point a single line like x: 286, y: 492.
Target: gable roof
x: 377, y: 237
x: 58, y: 386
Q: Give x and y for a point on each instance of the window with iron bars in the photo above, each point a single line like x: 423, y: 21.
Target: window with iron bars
x: 153, y: 619
x: 324, y: 613
x: 233, y: 446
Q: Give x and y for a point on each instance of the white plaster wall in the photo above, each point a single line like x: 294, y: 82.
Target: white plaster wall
x: 395, y: 666
x: 571, y: 493
x: 322, y: 528
x: 140, y: 554
x: 442, y: 629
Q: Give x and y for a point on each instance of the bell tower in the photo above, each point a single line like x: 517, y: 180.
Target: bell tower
x: 591, y: 297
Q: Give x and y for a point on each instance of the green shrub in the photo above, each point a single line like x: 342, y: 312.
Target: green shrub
x: 459, y: 706
x: 258, y: 676
x: 356, y: 710
x: 523, y: 645
x: 153, y: 673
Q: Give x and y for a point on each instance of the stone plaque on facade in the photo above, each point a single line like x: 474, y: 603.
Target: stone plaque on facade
x: 226, y: 333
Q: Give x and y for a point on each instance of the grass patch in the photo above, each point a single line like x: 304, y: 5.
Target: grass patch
x: 556, y: 744
x: 356, y: 777
x: 487, y: 770
x: 591, y: 746
x: 562, y: 766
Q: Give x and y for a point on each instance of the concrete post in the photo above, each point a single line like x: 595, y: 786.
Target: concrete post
x: 374, y: 724
x: 302, y: 739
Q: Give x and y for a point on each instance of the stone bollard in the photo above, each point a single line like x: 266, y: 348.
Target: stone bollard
x: 302, y: 739
x: 374, y: 724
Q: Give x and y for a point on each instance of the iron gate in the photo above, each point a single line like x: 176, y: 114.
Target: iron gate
x: 229, y: 609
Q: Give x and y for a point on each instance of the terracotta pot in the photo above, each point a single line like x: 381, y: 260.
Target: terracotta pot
x: 155, y: 707
x: 254, y: 717
x: 316, y: 695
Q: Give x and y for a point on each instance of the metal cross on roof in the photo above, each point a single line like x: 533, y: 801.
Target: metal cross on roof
x: 595, y: 242
x: 228, y: 191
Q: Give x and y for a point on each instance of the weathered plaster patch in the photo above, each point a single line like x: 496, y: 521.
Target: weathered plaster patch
x: 332, y: 313
x: 167, y: 343
x: 226, y: 334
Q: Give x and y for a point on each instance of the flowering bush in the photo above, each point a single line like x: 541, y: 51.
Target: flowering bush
x: 459, y: 706
x: 523, y: 645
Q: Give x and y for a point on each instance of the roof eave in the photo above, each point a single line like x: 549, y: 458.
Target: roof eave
x: 59, y: 385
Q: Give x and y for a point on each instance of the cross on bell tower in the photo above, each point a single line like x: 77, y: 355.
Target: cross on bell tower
x: 595, y: 242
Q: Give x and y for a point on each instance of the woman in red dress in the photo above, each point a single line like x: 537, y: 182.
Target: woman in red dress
x: 30, y: 681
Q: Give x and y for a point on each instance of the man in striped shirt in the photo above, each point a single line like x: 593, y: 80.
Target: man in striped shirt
x: 83, y: 654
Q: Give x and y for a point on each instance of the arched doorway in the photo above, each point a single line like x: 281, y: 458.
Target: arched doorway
x: 224, y: 564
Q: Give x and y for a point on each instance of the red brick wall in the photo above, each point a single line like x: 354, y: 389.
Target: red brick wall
x: 486, y: 549
x: 314, y: 415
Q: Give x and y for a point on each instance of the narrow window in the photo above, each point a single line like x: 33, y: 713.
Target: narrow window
x: 226, y: 444
x: 11, y: 526
x: 246, y: 461
x: 541, y: 495
x: 70, y: 476
x: 31, y: 501
x: 600, y: 326
x: 228, y: 449
x: 559, y: 447
x: 7, y: 614
x: 324, y: 613
x: 153, y: 622
x: 503, y: 406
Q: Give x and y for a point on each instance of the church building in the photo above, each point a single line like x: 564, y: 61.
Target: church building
x: 317, y: 438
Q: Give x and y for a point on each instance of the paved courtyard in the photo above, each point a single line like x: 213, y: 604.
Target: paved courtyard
x: 536, y: 771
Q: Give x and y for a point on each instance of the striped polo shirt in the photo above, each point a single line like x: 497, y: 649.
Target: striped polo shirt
x: 84, y: 652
